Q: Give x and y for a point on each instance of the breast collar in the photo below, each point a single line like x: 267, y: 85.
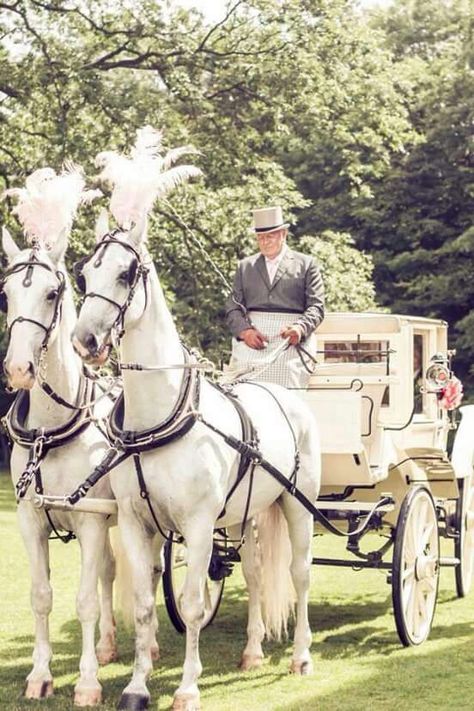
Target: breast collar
x: 15, y: 419
x: 178, y: 423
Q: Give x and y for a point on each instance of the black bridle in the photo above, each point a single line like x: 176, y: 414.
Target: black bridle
x: 137, y: 271
x: 29, y: 265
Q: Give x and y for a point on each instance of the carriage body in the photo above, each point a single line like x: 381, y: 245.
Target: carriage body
x: 374, y: 408
x: 384, y: 438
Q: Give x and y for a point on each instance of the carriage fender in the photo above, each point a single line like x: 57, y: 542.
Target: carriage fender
x: 462, y: 457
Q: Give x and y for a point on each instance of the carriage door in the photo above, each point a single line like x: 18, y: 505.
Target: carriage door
x: 424, y: 346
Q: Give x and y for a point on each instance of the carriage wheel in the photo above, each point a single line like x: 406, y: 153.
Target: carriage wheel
x: 415, y: 567
x: 464, y: 544
x: 175, y: 558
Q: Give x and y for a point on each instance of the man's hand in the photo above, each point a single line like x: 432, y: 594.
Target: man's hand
x: 253, y: 338
x: 293, y: 333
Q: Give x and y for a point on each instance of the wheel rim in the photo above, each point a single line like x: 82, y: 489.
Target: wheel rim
x: 212, y: 589
x: 420, y: 568
x: 467, y: 535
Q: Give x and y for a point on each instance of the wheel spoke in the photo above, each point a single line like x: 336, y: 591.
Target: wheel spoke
x: 408, y: 595
x: 426, y: 535
x: 421, y: 523
x: 409, y: 572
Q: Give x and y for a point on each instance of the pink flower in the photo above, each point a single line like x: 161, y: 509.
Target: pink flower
x: 450, y: 397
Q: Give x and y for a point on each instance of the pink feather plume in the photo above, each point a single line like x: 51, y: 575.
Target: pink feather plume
x: 147, y: 175
x: 48, y: 203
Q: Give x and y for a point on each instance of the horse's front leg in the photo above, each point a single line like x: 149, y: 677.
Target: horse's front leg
x: 35, y: 532
x: 199, y: 548
x: 157, y: 573
x: 139, y: 547
x: 92, y: 536
x: 106, y: 648
x: 252, y: 656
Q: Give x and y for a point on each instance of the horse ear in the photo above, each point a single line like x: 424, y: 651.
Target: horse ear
x: 9, y: 245
x: 138, y: 232
x: 59, y: 246
x: 102, y: 225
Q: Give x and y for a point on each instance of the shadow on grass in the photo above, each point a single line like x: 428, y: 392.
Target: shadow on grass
x: 423, y: 681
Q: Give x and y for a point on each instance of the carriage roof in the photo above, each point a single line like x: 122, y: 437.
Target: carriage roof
x: 374, y: 322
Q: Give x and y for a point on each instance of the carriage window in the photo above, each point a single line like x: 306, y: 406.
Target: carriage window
x: 418, y: 359
x: 355, y: 351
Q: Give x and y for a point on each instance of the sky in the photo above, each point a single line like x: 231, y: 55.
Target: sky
x: 214, y: 9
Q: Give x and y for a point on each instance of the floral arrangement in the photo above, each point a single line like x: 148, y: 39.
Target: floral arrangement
x: 449, y: 398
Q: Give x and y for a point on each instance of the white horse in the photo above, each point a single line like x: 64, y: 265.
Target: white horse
x: 188, y: 479
x: 41, y: 316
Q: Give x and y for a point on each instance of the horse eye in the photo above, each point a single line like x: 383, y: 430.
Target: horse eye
x: 51, y: 296
x: 123, y: 277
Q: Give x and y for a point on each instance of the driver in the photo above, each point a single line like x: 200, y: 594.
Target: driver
x: 278, y: 293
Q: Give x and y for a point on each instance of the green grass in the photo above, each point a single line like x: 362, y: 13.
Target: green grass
x: 358, y: 660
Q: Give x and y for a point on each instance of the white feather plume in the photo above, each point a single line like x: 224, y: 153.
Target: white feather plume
x: 147, y: 175
x: 48, y: 203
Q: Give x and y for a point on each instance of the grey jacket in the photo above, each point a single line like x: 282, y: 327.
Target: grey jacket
x: 297, y: 288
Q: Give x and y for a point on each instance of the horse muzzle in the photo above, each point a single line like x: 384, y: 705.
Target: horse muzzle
x: 20, y: 376
x: 90, y: 351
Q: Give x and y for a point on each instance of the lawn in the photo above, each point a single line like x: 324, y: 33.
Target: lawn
x: 358, y: 660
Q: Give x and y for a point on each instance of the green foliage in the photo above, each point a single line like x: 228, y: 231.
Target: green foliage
x: 346, y: 271
x: 419, y: 222
x: 272, y: 80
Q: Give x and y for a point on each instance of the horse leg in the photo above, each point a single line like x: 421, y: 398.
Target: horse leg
x: 300, y: 529
x: 199, y: 546
x: 157, y: 573
x: 106, y: 648
x: 252, y: 656
x: 139, y: 544
x: 39, y: 682
x: 92, y: 536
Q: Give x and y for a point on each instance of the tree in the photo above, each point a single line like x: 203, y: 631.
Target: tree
x: 273, y: 79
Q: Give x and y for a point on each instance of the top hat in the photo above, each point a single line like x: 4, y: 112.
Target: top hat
x: 269, y: 219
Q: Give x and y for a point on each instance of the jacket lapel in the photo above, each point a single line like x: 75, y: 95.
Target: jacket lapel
x: 282, y: 267
x: 262, y: 269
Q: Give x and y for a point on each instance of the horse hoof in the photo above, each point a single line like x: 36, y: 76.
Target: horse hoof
x: 250, y: 661
x: 133, y: 702
x: 38, y: 689
x: 87, y: 697
x: 106, y: 656
x: 186, y: 702
x: 155, y: 654
x: 301, y: 668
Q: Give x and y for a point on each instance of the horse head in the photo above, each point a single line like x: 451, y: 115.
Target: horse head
x: 114, y: 283
x: 32, y: 291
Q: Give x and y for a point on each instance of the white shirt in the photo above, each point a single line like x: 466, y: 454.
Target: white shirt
x: 273, y: 264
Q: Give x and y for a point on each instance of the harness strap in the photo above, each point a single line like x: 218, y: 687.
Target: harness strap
x: 144, y: 492
x: 112, y: 459
x: 70, y: 535
x: 256, y: 455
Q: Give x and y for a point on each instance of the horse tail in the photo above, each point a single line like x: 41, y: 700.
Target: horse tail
x: 124, y: 601
x: 278, y: 594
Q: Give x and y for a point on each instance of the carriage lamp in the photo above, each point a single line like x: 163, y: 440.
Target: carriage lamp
x: 438, y: 373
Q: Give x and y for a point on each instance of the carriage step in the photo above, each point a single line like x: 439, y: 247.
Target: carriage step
x: 449, y: 562
x: 352, y: 506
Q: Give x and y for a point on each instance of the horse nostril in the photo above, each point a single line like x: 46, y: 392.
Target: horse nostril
x: 91, y: 344
x: 31, y: 368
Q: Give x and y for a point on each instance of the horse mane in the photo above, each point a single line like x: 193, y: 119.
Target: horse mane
x: 147, y: 174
